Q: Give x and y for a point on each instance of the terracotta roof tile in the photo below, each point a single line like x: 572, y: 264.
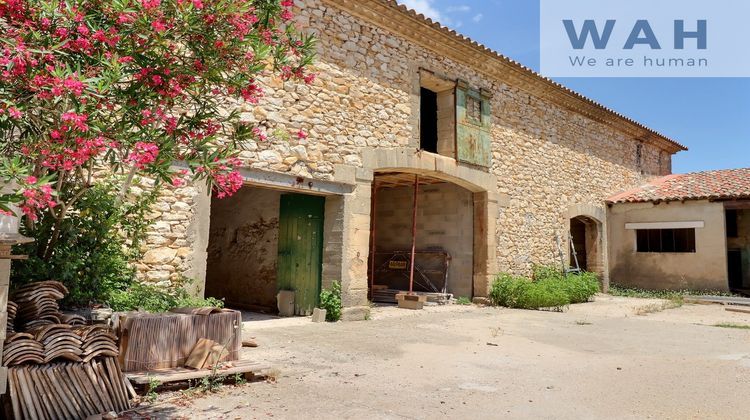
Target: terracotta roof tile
x: 723, y: 184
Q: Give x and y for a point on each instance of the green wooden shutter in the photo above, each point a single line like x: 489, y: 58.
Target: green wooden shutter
x: 473, y: 126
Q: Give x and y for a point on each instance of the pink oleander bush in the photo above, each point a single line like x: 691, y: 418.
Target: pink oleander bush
x: 127, y: 88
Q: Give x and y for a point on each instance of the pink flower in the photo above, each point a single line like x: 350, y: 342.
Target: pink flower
x: 158, y: 26
x: 143, y: 154
x: 260, y: 134
x: 198, y: 4
x: 150, y: 4
x: 74, y: 86
x: 14, y: 113
x: 301, y: 135
x: 36, y: 200
x: 310, y: 78
x: 177, y: 181
x: 31, y: 180
x: 77, y: 121
x: 226, y: 184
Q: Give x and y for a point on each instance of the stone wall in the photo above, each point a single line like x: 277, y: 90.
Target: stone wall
x: 546, y: 158
x: 174, y: 250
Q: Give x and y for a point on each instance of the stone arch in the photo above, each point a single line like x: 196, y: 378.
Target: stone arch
x: 479, y: 183
x: 587, y: 225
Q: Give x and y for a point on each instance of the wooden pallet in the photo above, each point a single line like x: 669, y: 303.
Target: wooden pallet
x: 163, y: 376
x: 718, y: 300
x: 389, y: 296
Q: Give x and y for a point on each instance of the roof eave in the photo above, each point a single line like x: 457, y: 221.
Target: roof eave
x: 409, y: 24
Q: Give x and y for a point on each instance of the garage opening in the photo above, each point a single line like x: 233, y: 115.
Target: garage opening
x: 585, y: 252
x: 422, y: 238
x: 264, y: 240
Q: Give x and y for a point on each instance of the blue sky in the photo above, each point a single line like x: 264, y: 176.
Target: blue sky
x: 711, y: 115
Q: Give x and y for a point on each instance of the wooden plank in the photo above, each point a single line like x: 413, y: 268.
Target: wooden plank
x: 218, y: 354
x: 200, y: 353
x: 184, y: 374
x: 719, y: 300
x: 743, y: 311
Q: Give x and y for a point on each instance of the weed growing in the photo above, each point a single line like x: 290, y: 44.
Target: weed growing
x: 463, y: 300
x: 330, y: 300
x: 548, y: 289
x: 151, y: 394
x: 617, y: 290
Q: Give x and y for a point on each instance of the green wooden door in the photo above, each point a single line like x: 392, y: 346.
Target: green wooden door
x: 301, y: 249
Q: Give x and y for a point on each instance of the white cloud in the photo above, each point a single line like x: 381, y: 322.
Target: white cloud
x: 462, y: 8
x: 424, y: 7
x: 477, y: 17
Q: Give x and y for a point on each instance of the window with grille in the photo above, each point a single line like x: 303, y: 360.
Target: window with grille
x: 665, y: 240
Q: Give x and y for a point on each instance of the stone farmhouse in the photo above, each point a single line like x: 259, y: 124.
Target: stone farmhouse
x: 506, y: 163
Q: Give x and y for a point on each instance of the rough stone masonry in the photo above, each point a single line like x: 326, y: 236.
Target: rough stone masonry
x: 554, y: 154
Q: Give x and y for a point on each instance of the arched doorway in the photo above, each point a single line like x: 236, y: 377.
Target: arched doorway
x: 586, y: 244
x: 428, y: 222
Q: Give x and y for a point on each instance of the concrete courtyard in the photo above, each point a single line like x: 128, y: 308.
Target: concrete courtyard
x: 613, y: 358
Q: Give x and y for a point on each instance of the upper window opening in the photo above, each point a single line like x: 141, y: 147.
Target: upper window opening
x: 428, y: 124
x: 639, y: 156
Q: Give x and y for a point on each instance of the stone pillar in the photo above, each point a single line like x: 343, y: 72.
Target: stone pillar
x: 195, y: 265
x: 356, y: 249
x: 333, y: 240
x: 485, y: 239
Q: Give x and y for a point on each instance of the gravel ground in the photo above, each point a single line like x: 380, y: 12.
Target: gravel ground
x: 606, y: 359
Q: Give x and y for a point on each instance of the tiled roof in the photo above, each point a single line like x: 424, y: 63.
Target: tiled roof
x: 472, y: 43
x: 724, y: 184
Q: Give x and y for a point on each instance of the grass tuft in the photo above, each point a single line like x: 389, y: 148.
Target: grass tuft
x: 463, y: 300
x: 732, y: 325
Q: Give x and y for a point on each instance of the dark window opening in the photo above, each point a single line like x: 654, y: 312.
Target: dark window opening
x: 428, y: 124
x: 639, y: 156
x: 732, y: 225
x: 665, y: 240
